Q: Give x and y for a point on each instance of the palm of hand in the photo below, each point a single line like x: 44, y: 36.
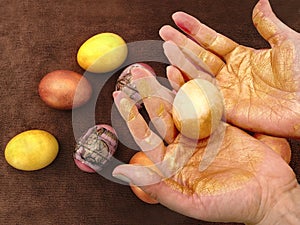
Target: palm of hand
x: 234, y: 187
x: 246, y: 176
x: 240, y: 183
x: 260, y: 89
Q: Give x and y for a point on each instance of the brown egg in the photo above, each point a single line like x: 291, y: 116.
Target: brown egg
x: 140, y: 158
x: 64, y: 89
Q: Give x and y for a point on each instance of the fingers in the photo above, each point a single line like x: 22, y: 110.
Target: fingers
x: 186, y: 61
x: 150, y: 182
x: 175, y: 77
x: 279, y: 145
x: 137, y: 174
x: 145, y: 138
x: 267, y: 24
x: 158, y: 102
x: 205, y: 36
x: 213, y: 62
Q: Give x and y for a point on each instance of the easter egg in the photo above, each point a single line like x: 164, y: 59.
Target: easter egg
x: 141, y: 158
x: 64, y: 89
x: 197, y: 109
x: 31, y: 150
x: 102, y: 53
x: 95, y: 148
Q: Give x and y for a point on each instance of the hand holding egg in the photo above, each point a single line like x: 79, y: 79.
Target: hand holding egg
x: 237, y: 173
x: 196, y: 109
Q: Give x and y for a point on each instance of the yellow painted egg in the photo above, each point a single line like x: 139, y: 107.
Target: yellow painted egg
x: 31, y: 150
x: 102, y: 53
x: 197, y: 109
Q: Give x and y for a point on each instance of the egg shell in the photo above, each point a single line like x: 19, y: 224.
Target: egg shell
x: 64, y: 89
x: 31, y: 150
x: 102, y: 53
x: 82, y: 166
x: 197, y: 108
x: 141, y: 158
x: 84, y: 145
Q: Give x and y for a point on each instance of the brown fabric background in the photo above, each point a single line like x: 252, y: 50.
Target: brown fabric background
x: 37, y: 37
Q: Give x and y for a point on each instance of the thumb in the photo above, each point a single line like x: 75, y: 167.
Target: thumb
x: 166, y: 191
x: 267, y: 24
x: 137, y: 175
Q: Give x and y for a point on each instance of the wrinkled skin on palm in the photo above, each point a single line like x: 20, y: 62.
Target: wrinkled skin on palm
x: 245, y: 176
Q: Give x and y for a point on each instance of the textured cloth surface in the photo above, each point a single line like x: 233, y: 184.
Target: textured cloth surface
x: 37, y: 37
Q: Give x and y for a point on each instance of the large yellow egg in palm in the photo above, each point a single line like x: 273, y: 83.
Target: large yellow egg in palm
x: 31, y: 150
x: 102, y: 53
x: 197, y: 109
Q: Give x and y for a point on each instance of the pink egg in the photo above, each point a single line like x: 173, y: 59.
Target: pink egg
x: 95, y: 148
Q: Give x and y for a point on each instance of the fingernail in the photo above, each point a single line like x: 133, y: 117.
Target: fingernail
x: 137, y: 73
x: 182, y: 22
x: 121, y: 177
x: 115, y: 94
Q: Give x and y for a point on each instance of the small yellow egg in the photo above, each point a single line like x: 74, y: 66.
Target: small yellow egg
x: 31, y: 150
x: 102, y: 53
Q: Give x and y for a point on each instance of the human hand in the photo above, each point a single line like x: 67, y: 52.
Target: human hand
x: 243, y: 183
x: 261, y: 88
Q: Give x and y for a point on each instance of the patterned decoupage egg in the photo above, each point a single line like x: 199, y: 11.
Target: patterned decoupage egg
x: 95, y: 148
